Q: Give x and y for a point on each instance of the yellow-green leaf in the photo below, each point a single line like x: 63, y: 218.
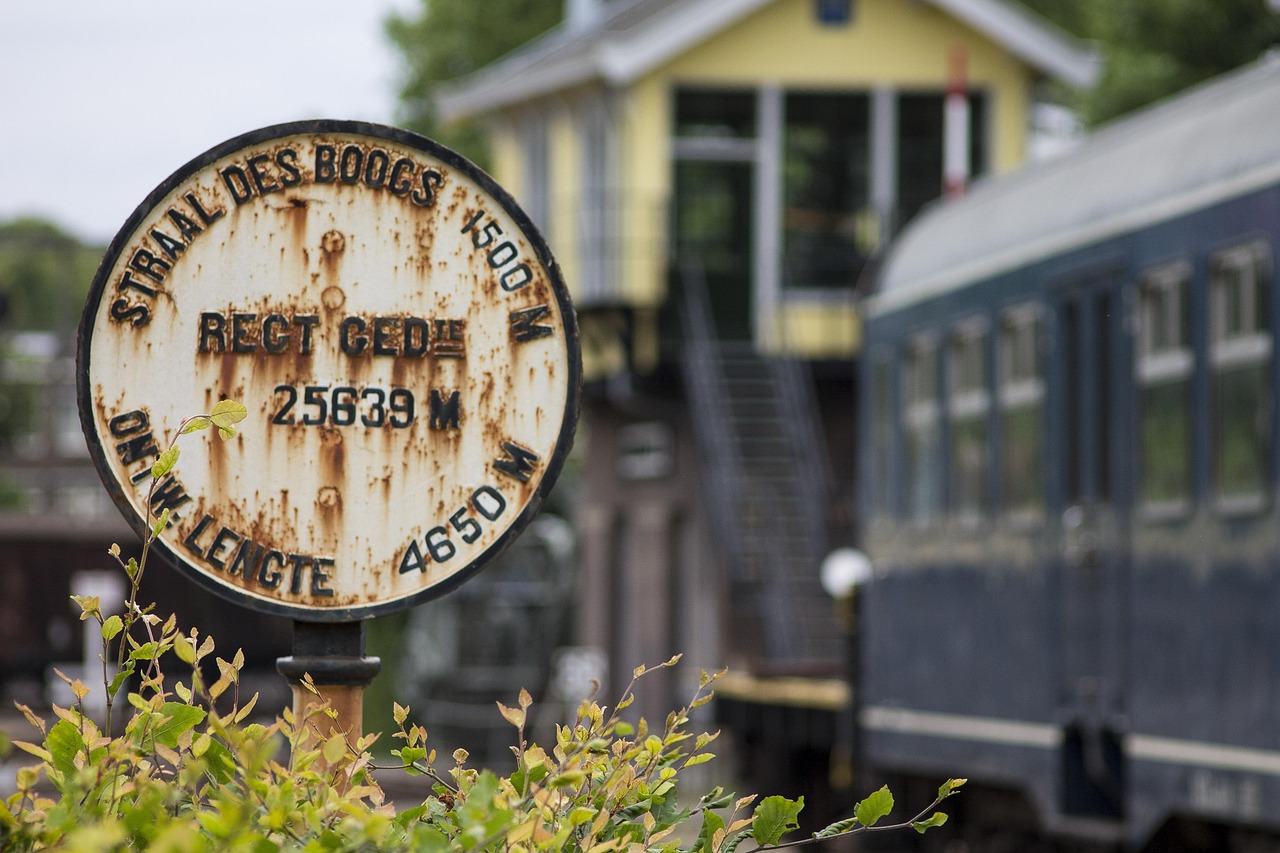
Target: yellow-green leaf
x: 184, y: 650
x: 199, y: 422
x: 228, y: 412
x: 165, y: 463
x: 936, y: 819
x: 334, y: 748
x: 113, y: 626
x: 874, y: 807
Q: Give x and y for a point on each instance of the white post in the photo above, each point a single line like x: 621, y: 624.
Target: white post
x: 955, y: 153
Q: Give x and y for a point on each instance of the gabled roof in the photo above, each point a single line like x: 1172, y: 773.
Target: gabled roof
x: 1192, y: 150
x: 628, y: 38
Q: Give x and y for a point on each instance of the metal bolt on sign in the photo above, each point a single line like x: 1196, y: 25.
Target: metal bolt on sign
x: 406, y: 348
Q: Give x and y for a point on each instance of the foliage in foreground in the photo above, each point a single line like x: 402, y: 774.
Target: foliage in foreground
x: 191, y: 771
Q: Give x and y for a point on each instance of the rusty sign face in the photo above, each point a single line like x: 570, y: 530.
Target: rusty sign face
x: 399, y: 333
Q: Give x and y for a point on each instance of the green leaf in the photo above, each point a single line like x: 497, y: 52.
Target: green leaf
x: 120, y: 678
x: 774, y: 817
x: 113, y: 626
x: 161, y: 523
x: 64, y: 741
x: 838, y: 828
x: 197, y: 423
x: 226, y: 413
x: 936, y: 819
x: 165, y: 463
x: 711, y: 822
x: 567, y: 778
x: 949, y: 787
x: 185, y: 651
x: 874, y: 807
x: 176, y: 718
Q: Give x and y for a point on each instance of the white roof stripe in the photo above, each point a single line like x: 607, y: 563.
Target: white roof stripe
x: 1187, y: 152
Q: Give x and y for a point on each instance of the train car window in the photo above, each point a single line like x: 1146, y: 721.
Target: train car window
x: 968, y: 406
x: 1021, y: 404
x: 921, y: 422
x: 1165, y: 361
x: 1240, y: 347
x: 880, y: 481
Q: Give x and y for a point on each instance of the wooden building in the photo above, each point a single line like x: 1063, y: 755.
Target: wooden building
x: 715, y: 176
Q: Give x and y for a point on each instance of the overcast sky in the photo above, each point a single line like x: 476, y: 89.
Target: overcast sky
x: 100, y: 100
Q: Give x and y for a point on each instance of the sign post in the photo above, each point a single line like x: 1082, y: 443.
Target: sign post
x: 405, y: 346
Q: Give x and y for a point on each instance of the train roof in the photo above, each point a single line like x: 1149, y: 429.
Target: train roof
x: 1218, y: 139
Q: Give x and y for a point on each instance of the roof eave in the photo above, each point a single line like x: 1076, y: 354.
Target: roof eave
x: 615, y: 60
x: 1031, y: 38
x: 493, y: 88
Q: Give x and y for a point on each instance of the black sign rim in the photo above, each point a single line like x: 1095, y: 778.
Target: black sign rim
x: 487, y: 184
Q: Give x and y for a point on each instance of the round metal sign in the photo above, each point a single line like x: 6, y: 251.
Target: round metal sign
x: 399, y: 333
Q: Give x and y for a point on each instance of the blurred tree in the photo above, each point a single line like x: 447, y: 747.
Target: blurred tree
x: 44, y: 276
x: 1153, y: 48
x: 448, y: 39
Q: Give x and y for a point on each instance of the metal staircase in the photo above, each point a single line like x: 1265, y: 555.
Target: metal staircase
x: 767, y: 485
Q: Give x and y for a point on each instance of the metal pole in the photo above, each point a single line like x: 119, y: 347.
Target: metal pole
x: 332, y: 653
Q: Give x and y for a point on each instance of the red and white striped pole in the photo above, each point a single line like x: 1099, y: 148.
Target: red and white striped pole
x: 955, y: 126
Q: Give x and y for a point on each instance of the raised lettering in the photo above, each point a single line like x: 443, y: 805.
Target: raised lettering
x: 206, y: 217
x: 248, y: 560
x: 213, y: 332
x: 326, y: 164
x: 242, y: 340
x: 142, y: 447
x: 275, y: 333
x: 287, y: 160
x: 319, y: 576
x: 519, y: 462
x: 183, y: 223
x: 297, y: 561
x: 191, y: 540
x: 149, y: 265
x: 168, y: 494
x: 221, y: 547
x: 425, y: 195
x: 167, y: 244
x: 523, y: 326
x: 129, y: 423
x: 351, y: 335
x: 128, y: 282
x: 445, y: 414
x: 237, y: 184
x: 267, y: 576
x: 135, y: 315
x: 412, y: 559
x: 384, y: 330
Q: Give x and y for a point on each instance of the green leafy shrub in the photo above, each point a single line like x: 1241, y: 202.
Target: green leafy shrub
x: 190, y: 771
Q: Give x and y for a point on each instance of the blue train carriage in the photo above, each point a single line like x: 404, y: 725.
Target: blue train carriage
x: 1070, y: 464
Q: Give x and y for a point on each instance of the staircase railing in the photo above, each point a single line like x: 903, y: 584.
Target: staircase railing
x: 767, y: 487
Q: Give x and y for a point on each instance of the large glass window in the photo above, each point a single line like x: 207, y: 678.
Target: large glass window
x: 1021, y: 403
x: 827, y: 232
x: 1164, y: 367
x: 879, y: 479
x: 715, y: 114
x: 1240, y: 358
x: 920, y: 419
x: 968, y: 402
